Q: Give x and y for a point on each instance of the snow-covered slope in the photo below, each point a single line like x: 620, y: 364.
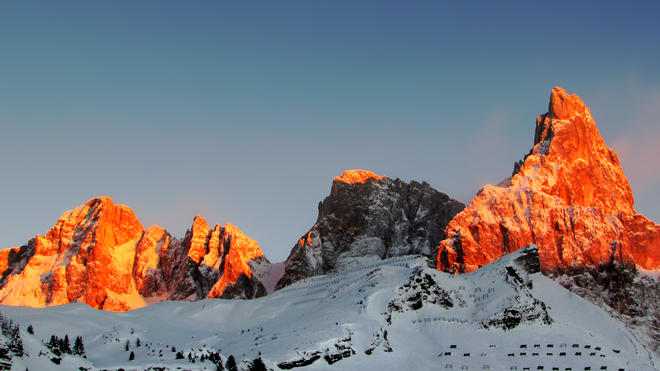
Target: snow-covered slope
x: 379, y: 314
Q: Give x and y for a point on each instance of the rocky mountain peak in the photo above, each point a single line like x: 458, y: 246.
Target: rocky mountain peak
x: 569, y: 196
x: 368, y: 215
x: 563, y: 106
x: 357, y: 176
x: 99, y: 254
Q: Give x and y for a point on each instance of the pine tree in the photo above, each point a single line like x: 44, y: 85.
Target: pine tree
x: 215, y: 358
x: 231, y: 364
x: 258, y: 365
x: 131, y: 356
x: 66, y: 345
x: 54, y: 345
x: 128, y: 345
x: 79, y: 347
x: 4, y: 353
x: 30, y: 330
x: 137, y: 342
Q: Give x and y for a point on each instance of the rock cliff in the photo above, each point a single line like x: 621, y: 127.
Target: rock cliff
x: 569, y: 196
x: 100, y: 254
x: 370, y: 215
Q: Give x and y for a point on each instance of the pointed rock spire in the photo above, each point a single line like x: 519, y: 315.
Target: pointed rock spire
x: 569, y: 196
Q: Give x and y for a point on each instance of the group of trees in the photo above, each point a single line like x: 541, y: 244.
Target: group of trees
x: 61, y: 346
x: 12, y: 333
x: 229, y: 365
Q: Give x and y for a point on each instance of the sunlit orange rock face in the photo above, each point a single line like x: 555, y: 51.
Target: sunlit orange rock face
x: 100, y: 254
x: 569, y: 196
x: 357, y: 176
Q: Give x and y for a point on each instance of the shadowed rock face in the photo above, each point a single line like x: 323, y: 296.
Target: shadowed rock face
x: 369, y: 215
x: 569, y: 196
x: 99, y: 254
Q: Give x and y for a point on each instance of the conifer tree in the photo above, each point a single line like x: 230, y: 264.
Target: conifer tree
x: 231, y: 364
x: 79, y: 347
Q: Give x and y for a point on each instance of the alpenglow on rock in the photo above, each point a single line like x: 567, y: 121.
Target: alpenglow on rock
x: 99, y: 254
x: 569, y: 196
x: 370, y: 215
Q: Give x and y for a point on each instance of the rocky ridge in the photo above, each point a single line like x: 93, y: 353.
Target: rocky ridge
x: 569, y: 196
x: 370, y: 215
x: 100, y: 254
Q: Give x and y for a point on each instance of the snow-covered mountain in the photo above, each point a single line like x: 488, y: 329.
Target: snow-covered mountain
x: 395, y: 313
x: 371, y: 285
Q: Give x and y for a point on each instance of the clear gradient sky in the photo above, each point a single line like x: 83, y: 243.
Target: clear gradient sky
x: 243, y: 113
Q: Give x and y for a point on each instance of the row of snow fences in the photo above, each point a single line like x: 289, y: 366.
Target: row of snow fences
x: 443, y: 319
x: 564, y: 345
x: 587, y: 368
x: 487, y: 367
x: 340, y: 276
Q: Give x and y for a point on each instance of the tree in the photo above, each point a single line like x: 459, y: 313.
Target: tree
x: 128, y: 345
x: 54, y: 345
x: 231, y: 364
x: 258, y: 365
x: 137, y: 343
x: 215, y: 358
x: 79, y: 347
x: 30, y: 330
x: 4, y: 353
x: 131, y: 356
x: 66, y: 345
x: 15, y: 343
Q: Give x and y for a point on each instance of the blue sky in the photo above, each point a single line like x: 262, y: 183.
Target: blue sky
x: 243, y: 113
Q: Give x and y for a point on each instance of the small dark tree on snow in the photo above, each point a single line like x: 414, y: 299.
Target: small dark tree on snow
x: 4, y: 353
x: 30, y: 330
x: 66, y: 345
x: 15, y: 343
x: 258, y: 365
x: 131, y: 356
x: 128, y: 345
x: 214, y: 357
x: 137, y: 343
x: 179, y: 355
x: 79, y: 347
x: 231, y: 364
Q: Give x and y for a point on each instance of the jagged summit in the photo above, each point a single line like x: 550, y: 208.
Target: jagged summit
x: 569, y: 196
x: 368, y: 215
x: 357, y: 176
x: 100, y: 254
x: 563, y: 106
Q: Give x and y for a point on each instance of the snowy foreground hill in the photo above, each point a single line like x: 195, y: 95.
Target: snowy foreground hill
x: 374, y: 314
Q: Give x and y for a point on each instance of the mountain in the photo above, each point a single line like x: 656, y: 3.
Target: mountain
x: 370, y: 215
x: 569, y: 196
x: 100, y: 254
x: 388, y: 314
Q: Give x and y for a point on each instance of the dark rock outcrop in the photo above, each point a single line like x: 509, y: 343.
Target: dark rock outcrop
x: 369, y: 215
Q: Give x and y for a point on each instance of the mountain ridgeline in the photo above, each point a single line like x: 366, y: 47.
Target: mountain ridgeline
x: 569, y: 196
x: 100, y: 254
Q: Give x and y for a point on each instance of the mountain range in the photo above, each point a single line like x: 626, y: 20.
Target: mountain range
x: 386, y: 263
